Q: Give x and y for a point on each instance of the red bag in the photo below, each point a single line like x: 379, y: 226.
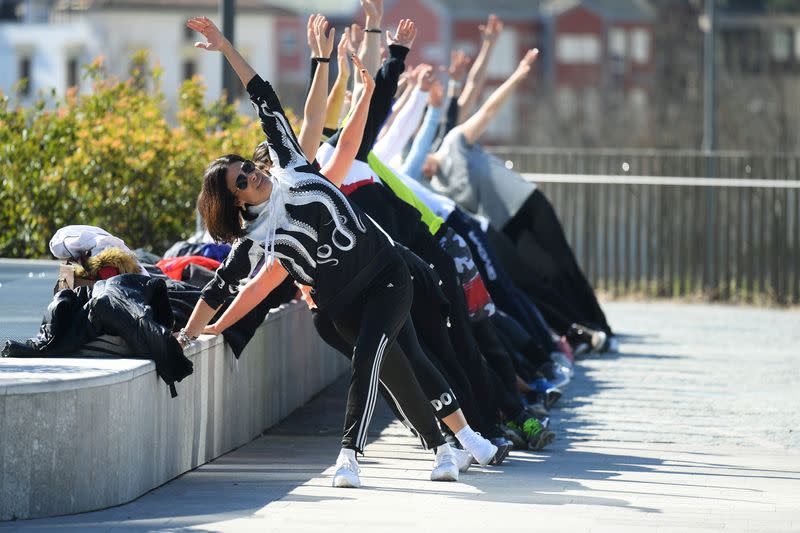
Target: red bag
x: 173, y: 267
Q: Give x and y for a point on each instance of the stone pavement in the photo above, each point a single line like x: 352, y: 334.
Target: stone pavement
x: 692, y: 427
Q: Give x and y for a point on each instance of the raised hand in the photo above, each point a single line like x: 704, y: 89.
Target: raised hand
x: 436, y: 95
x: 215, y: 41
x: 342, y: 51
x: 313, y: 44
x: 459, y: 63
x: 366, y: 79
x: 425, y: 77
x: 525, y: 64
x: 404, y: 35
x: 492, y: 29
x: 373, y: 9
x: 324, y: 38
x: 355, y: 35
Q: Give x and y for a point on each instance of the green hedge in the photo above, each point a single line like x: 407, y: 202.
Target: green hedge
x: 111, y: 159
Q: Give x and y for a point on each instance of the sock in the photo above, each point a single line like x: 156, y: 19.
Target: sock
x: 466, y: 434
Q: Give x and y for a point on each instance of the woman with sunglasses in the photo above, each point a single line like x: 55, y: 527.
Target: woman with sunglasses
x: 319, y: 239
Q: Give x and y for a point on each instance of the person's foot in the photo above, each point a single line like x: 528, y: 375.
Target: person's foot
x: 463, y: 459
x: 561, y: 360
x: 536, y: 435
x: 559, y: 376
x: 504, y: 447
x: 535, y: 408
x: 444, y: 465
x: 515, y: 435
x: 346, y: 475
x: 543, y: 386
x: 481, y: 449
x: 585, y: 340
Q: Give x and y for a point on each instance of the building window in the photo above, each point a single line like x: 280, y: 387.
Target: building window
x: 781, y: 45
x: 640, y: 46
x: 189, y: 69
x: 24, y: 76
x: 578, y: 48
x: 616, y: 42
x: 73, y: 72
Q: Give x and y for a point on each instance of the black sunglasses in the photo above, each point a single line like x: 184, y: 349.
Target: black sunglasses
x: 248, y: 167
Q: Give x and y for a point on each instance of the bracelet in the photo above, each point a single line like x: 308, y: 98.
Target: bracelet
x: 184, y: 339
x: 321, y: 59
x: 373, y: 30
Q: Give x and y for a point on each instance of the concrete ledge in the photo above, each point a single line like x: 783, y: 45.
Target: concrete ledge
x: 83, y: 434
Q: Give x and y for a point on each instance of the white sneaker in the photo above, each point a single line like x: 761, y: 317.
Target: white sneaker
x: 463, y: 459
x: 346, y: 475
x: 444, y: 465
x: 481, y: 449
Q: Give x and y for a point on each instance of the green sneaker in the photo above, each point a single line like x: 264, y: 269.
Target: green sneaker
x: 514, y: 433
x: 536, y: 435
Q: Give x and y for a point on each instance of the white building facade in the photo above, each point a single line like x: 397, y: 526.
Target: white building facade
x: 51, y: 53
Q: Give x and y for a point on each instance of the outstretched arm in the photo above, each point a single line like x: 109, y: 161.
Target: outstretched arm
x: 477, y: 74
x: 314, y: 113
x: 406, y: 121
x: 427, y: 132
x: 474, y: 127
x: 350, y: 139
x: 217, y: 42
x: 250, y: 296
x: 370, y: 53
x: 335, y: 102
x: 285, y: 150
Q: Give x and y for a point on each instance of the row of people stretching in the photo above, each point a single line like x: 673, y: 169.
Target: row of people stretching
x: 402, y: 260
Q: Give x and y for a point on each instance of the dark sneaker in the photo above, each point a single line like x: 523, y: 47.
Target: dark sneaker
x: 585, y: 340
x: 515, y: 435
x: 543, y: 387
x: 536, y: 434
x: 504, y: 447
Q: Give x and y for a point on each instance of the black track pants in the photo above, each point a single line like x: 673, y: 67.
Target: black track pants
x: 372, y: 324
x: 539, y: 237
x: 399, y: 386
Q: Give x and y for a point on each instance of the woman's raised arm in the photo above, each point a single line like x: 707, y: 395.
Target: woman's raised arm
x: 215, y: 41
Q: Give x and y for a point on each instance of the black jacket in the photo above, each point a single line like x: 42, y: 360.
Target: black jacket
x: 134, y: 307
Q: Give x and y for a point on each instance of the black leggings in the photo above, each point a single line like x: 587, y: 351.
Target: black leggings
x: 540, y: 240
x: 377, y: 325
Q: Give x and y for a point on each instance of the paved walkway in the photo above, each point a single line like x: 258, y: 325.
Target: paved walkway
x: 693, y: 427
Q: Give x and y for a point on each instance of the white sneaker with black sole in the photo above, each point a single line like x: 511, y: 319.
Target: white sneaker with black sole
x: 481, y: 449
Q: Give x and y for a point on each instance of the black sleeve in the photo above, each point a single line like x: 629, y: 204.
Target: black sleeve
x: 381, y: 103
x: 451, y: 118
x: 241, y: 261
x: 284, y: 148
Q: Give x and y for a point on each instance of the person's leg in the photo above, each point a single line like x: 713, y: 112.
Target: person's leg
x: 407, y: 402
x: 372, y: 324
x: 538, y: 219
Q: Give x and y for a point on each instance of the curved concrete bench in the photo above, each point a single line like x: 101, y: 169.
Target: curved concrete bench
x: 83, y: 434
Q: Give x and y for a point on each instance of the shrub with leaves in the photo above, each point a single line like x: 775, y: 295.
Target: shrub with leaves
x: 111, y: 158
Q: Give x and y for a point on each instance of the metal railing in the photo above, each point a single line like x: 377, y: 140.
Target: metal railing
x: 655, y: 223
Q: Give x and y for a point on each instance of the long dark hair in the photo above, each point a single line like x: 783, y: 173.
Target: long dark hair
x: 217, y: 204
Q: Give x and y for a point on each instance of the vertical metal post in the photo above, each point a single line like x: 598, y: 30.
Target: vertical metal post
x: 227, y: 10
x: 709, y: 140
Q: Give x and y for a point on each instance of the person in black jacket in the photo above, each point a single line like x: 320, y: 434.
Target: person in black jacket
x: 316, y: 236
